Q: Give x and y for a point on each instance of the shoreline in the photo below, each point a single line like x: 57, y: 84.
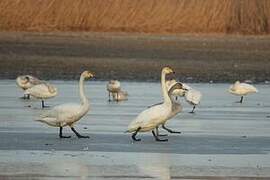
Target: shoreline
x: 135, y: 57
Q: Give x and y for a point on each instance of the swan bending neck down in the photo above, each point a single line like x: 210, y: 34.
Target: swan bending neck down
x: 152, y: 117
x: 25, y: 82
x: 67, y: 114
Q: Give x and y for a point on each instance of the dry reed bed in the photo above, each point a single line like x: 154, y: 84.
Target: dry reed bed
x: 158, y: 16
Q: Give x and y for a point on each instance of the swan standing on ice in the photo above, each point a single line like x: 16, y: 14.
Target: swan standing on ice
x: 25, y: 82
x: 242, y: 89
x: 176, y: 106
x: 120, y: 96
x: 154, y: 116
x: 42, y: 91
x: 113, y: 86
x: 193, y: 97
x: 67, y: 114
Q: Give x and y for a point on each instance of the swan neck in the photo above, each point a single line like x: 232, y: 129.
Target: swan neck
x: 164, y: 89
x: 83, y: 98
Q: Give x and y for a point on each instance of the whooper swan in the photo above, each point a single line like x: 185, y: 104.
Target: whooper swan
x: 242, y: 89
x: 67, y: 114
x: 113, y: 86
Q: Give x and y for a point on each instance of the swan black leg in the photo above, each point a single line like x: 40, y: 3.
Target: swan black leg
x: 117, y: 98
x: 169, y: 130
x: 109, y: 96
x: 135, y: 133
x: 77, y: 134
x: 26, y: 96
x: 192, y: 109
x: 43, y: 104
x: 61, y: 135
x: 157, y: 138
x: 241, y: 100
x: 157, y: 132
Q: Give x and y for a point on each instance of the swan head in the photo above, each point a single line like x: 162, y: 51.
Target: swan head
x: 87, y: 74
x: 52, y: 89
x: 167, y: 70
x: 177, y: 89
x: 23, y: 79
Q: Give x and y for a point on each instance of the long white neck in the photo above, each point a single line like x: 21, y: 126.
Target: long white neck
x: 166, y: 97
x: 84, y: 100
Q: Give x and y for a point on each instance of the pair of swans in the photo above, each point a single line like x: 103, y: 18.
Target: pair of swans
x: 68, y: 114
x: 32, y: 86
x: 242, y: 89
x: 156, y: 115
x: 114, y: 89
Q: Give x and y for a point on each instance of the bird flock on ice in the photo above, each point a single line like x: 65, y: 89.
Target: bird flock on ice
x: 150, y: 119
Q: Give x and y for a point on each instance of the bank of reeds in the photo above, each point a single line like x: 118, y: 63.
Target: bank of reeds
x: 158, y: 16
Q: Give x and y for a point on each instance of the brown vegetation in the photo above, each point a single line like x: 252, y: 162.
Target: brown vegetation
x: 158, y: 16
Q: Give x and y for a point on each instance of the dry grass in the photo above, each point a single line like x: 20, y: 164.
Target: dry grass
x: 158, y: 16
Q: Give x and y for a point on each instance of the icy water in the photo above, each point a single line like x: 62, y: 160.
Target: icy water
x: 222, y: 139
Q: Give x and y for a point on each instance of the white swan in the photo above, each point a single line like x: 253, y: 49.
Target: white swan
x: 192, y: 96
x: 68, y: 114
x: 120, y: 96
x: 242, y: 89
x: 154, y: 116
x: 113, y: 86
x: 42, y: 91
x: 26, y: 82
x: 176, y: 106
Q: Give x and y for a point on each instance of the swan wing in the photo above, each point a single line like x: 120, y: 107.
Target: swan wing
x: 248, y: 87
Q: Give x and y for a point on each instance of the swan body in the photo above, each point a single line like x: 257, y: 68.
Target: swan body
x: 27, y: 81
x: 64, y: 115
x: 242, y: 89
x: 150, y: 118
x: 154, y: 116
x: 113, y: 86
x: 120, y: 96
x: 42, y: 91
x: 69, y: 113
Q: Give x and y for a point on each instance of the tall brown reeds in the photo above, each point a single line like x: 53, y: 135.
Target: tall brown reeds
x: 158, y: 16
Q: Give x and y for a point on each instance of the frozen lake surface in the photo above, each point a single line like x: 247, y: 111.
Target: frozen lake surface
x: 222, y: 139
